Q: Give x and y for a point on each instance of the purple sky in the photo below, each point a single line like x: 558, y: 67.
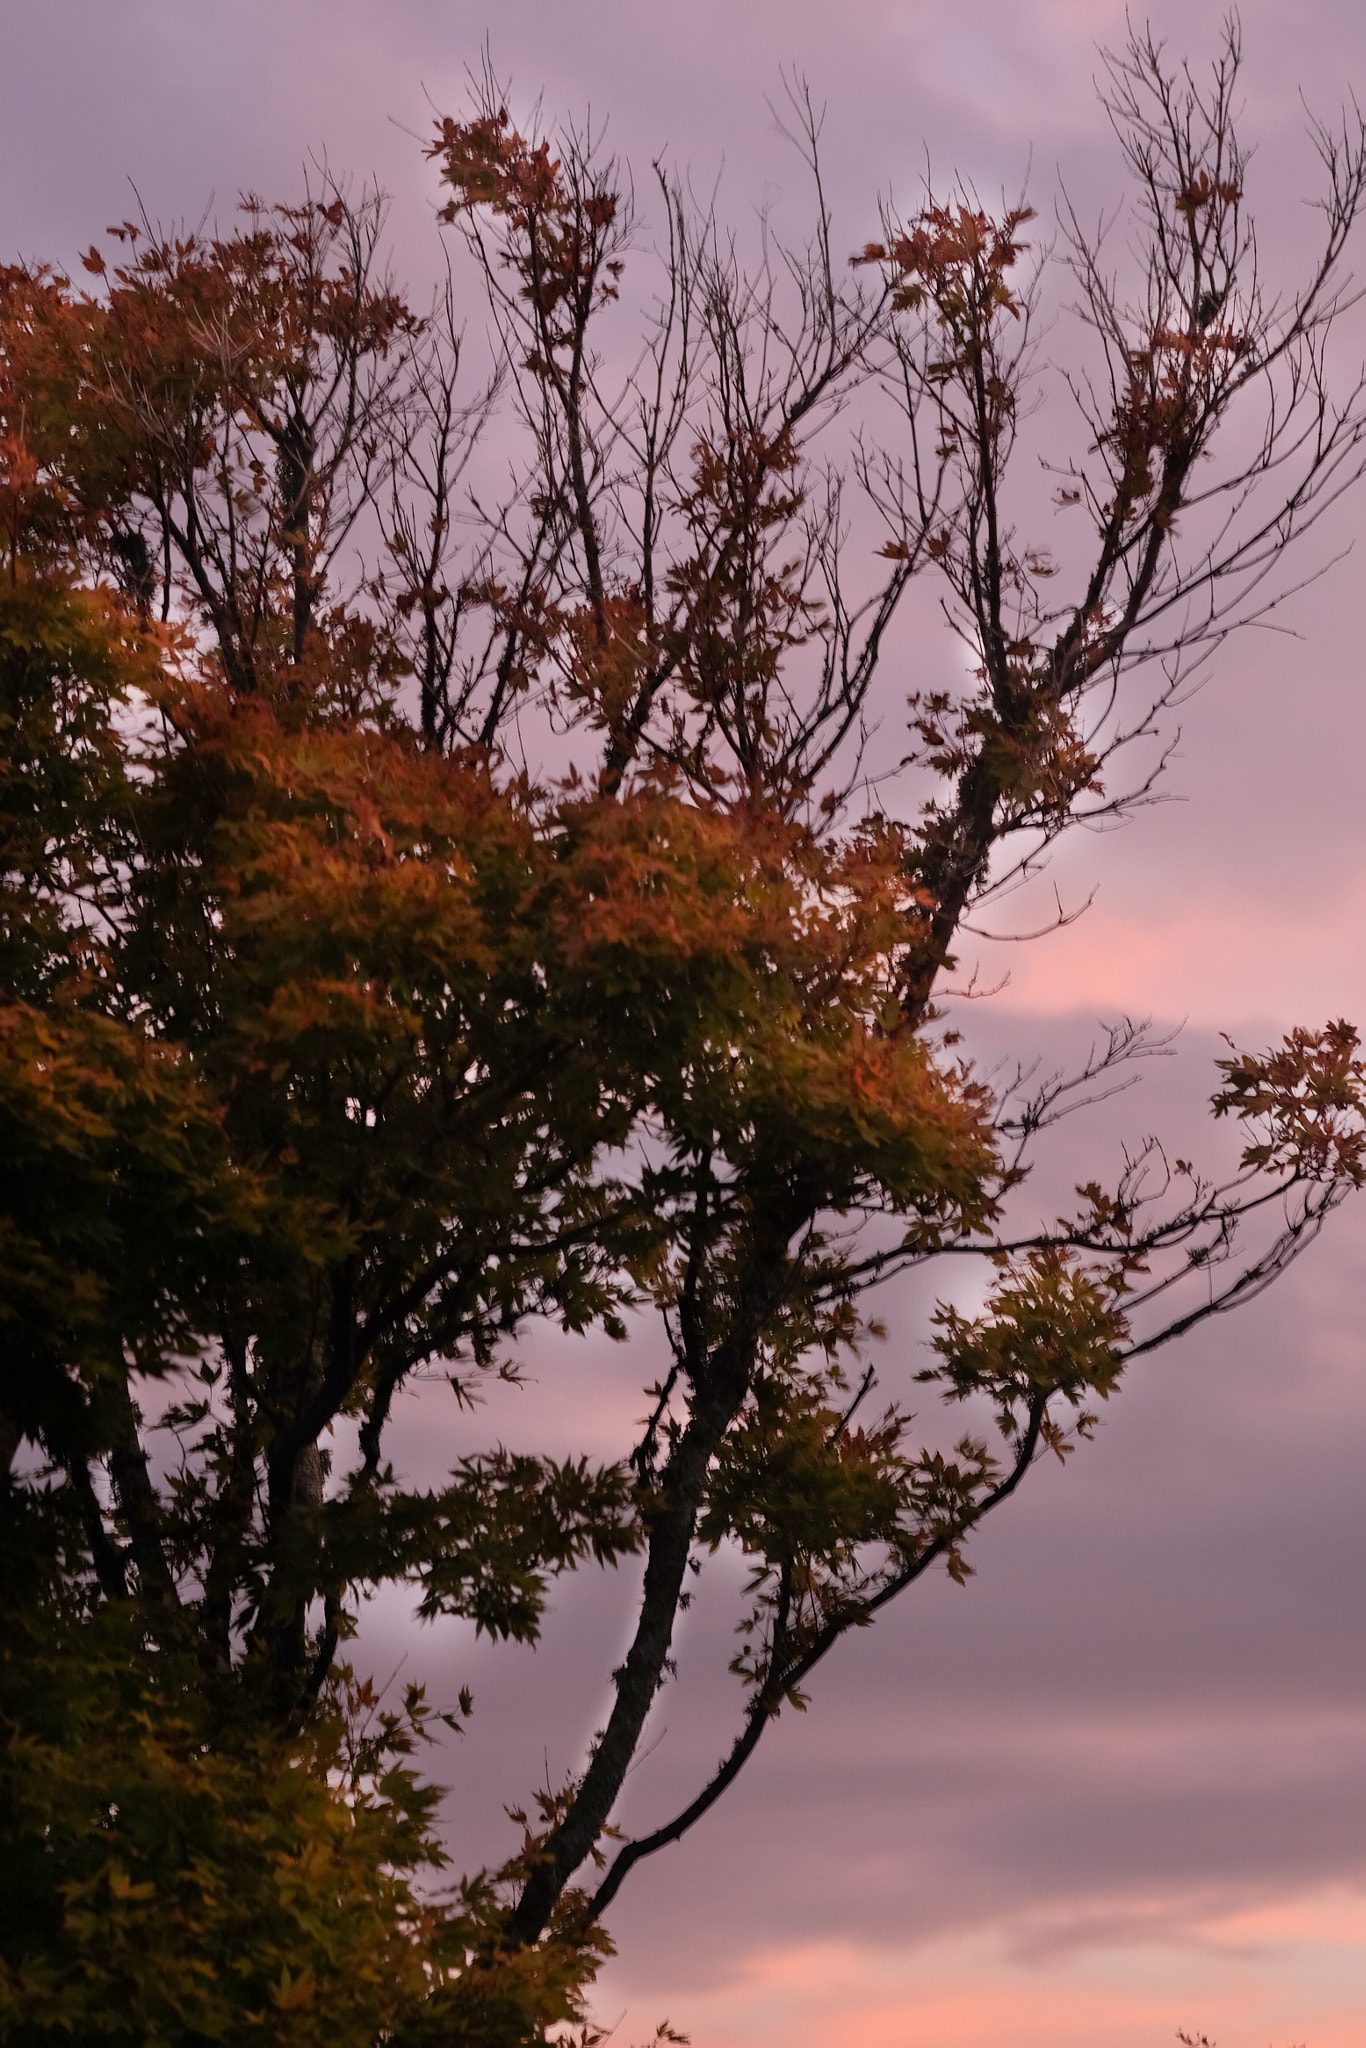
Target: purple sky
x: 1119, y: 1782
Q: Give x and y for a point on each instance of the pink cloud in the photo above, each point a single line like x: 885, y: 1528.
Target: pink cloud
x: 1285, y: 1972
x: 1217, y: 964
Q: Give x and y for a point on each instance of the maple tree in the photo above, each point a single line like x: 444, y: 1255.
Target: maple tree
x: 335, y: 1042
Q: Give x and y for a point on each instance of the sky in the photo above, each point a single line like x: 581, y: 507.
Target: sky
x: 1117, y: 1784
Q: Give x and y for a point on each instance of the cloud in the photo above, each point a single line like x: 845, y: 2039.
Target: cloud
x: 1278, y: 1974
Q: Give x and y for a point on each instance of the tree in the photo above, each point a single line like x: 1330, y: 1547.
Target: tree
x: 337, y: 1042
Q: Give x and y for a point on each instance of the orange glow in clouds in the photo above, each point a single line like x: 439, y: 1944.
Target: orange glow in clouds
x: 1266, y: 1978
